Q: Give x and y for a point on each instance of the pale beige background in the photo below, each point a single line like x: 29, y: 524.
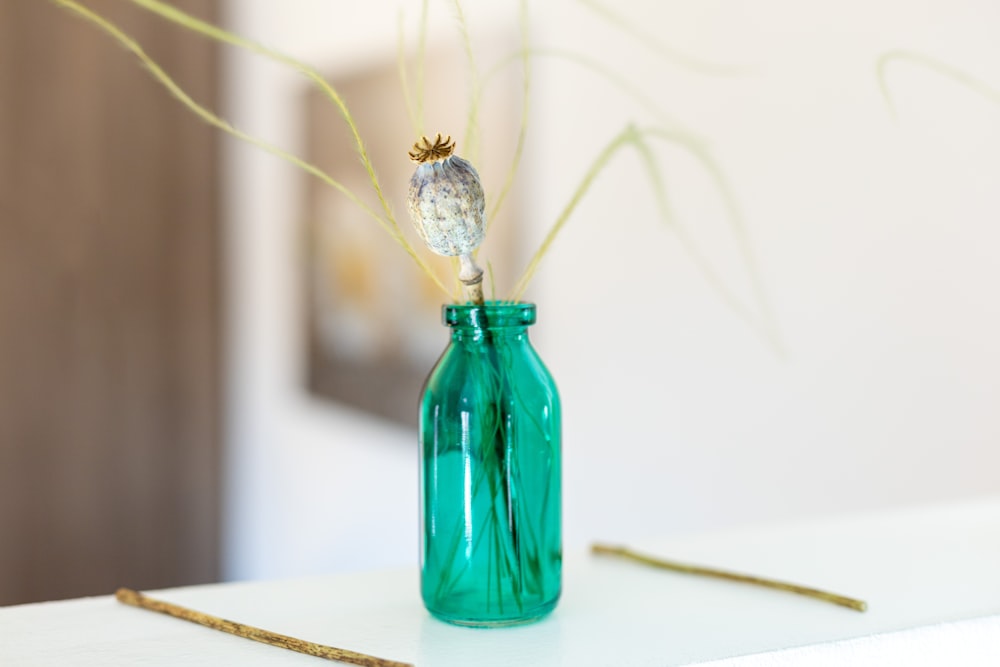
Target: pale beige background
x: 876, y: 242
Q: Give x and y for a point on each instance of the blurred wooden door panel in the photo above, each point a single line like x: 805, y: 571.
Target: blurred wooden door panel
x: 109, y: 318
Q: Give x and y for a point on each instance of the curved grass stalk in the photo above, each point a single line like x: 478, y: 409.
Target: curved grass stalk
x: 659, y: 47
x: 388, y: 223
x: 525, y: 57
x: 404, y: 78
x: 637, y: 138
x: 594, y: 66
x: 622, y: 139
x: 414, y: 102
x: 212, y: 119
x: 472, y: 130
x: 421, y: 66
x: 764, y: 321
x: 493, y: 280
x: 194, y: 24
x: 949, y: 71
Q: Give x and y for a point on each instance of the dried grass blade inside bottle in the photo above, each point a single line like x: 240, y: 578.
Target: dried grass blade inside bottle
x: 448, y: 208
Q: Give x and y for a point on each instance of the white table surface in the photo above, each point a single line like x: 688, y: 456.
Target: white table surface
x: 931, y: 577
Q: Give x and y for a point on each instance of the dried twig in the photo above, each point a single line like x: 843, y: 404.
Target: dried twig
x: 850, y: 603
x: 137, y: 599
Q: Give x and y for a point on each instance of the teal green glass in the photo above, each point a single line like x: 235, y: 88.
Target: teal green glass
x: 490, y: 483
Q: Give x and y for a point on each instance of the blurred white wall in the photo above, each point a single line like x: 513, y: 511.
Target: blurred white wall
x: 875, y: 240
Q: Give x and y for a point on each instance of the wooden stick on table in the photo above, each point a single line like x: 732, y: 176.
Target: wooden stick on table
x: 843, y: 601
x: 137, y: 599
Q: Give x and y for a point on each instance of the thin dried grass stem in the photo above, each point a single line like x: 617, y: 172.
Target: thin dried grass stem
x: 525, y: 109
x: 471, y: 143
x: 622, y: 139
x: 421, y: 65
x: 136, y: 599
x: 404, y: 76
x: 815, y: 593
x: 212, y: 119
x: 761, y: 318
x: 414, y: 100
x: 594, y: 67
x: 938, y: 66
x: 194, y: 24
x: 190, y: 22
x: 658, y: 46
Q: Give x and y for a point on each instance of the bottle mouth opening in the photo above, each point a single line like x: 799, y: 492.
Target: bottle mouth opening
x: 490, y: 315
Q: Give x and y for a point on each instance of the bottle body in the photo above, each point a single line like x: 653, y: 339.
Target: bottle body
x: 490, y: 450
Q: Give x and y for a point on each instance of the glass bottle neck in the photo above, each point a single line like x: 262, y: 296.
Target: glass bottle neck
x: 492, y: 320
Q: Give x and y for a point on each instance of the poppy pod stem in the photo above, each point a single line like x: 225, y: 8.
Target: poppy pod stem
x: 471, y: 276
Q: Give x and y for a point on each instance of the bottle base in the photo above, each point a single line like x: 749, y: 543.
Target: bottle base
x: 533, y: 616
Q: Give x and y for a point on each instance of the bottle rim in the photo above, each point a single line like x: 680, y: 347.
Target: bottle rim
x: 490, y: 315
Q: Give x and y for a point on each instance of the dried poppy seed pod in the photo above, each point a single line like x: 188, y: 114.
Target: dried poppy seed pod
x: 448, y: 207
x: 446, y: 199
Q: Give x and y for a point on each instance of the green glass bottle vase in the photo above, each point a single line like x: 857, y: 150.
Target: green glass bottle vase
x: 490, y: 482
